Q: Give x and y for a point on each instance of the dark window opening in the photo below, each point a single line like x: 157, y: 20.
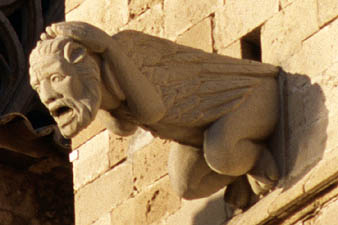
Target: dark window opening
x: 251, y: 45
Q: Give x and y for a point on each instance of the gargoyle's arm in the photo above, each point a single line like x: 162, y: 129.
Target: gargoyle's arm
x: 142, y: 98
x: 141, y: 95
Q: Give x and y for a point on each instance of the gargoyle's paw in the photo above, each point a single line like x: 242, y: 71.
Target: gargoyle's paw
x: 258, y: 186
x: 50, y: 32
x: 94, y: 38
x: 69, y: 29
x: 45, y: 36
x: 264, y: 175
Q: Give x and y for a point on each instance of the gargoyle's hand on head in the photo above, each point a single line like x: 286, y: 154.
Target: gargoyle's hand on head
x: 91, y: 37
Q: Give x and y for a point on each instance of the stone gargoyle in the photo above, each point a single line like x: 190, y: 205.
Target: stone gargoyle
x: 218, y: 110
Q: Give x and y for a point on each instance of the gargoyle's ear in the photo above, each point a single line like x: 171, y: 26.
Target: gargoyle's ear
x: 74, y: 52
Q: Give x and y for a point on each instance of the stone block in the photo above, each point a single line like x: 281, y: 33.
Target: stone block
x: 329, y: 83
x: 104, y: 220
x: 151, y: 22
x: 328, y: 214
x: 313, y: 114
x: 285, y: 3
x: 118, y: 147
x: 239, y: 17
x: 150, y: 163
x: 137, y: 7
x: 198, y: 36
x: 107, y: 15
x: 331, y: 131
x: 101, y: 196
x: 124, y: 213
x: 180, y: 15
x: 327, y: 10
x: 148, y: 207
x: 233, y: 50
x: 312, y: 107
x: 92, y: 160
x: 205, y: 211
x: 242, y: 50
x: 318, y: 53
x: 324, y: 172
x: 155, y: 203
x: 139, y: 140
x: 72, y: 4
x: 282, y: 35
x: 96, y: 126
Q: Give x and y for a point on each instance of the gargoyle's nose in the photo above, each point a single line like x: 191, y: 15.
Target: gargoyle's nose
x: 47, y: 93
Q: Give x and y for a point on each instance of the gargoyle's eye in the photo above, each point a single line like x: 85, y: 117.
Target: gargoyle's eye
x: 56, y: 77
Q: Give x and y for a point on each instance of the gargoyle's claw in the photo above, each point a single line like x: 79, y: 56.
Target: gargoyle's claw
x: 260, y: 185
x: 264, y: 175
x: 50, y: 32
x: 44, y: 36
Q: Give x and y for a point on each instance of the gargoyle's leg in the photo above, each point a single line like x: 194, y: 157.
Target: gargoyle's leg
x: 232, y: 144
x: 189, y: 174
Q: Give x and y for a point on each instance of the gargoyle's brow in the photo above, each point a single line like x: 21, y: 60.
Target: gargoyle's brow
x: 34, y: 79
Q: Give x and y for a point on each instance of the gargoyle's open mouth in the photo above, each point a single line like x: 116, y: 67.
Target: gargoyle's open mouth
x: 62, y: 112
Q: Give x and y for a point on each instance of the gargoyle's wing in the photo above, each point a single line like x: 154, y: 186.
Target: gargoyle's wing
x: 196, y: 87
x: 204, y: 99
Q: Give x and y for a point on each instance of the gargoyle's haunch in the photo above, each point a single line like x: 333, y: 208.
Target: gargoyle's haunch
x: 218, y: 109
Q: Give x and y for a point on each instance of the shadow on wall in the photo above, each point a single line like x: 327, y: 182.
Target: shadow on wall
x: 210, y: 213
x: 306, y: 118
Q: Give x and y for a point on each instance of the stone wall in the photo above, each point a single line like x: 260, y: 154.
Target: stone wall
x: 124, y: 180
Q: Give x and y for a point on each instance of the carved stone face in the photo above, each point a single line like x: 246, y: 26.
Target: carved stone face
x: 70, y: 89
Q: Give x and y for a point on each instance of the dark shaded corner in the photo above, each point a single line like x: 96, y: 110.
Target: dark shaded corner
x: 35, y: 174
x: 251, y: 45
